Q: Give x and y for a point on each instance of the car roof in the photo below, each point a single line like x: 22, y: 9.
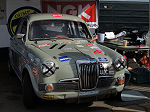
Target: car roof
x: 50, y: 16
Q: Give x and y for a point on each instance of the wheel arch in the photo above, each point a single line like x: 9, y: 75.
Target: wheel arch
x: 28, y: 70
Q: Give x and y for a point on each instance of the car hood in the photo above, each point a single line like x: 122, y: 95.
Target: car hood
x: 71, y: 51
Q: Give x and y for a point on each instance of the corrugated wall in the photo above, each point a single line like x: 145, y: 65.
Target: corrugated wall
x: 114, y: 16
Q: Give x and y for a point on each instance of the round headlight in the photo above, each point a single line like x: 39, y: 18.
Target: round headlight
x: 120, y: 63
x: 48, y: 68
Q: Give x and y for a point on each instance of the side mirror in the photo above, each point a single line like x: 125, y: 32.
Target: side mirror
x: 20, y: 36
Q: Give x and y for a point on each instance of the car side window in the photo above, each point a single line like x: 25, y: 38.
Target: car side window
x: 24, y: 27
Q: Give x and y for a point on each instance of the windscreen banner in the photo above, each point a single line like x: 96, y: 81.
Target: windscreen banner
x: 84, y: 9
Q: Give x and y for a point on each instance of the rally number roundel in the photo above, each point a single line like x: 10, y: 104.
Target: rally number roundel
x: 16, y: 15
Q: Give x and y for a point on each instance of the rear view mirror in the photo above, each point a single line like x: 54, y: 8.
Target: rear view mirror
x: 20, y: 36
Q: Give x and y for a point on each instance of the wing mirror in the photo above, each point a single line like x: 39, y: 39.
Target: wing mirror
x: 20, y: 36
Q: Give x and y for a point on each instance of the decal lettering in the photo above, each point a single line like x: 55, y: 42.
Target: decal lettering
x: 89, y: 44
x: 57, y: 15
x: 43, y: 45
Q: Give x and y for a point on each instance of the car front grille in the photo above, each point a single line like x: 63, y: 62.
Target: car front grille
x: 88, y: 76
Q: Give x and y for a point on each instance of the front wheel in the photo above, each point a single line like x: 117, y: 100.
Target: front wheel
x: 29, y: 97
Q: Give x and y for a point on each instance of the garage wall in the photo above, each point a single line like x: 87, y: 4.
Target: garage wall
x: 6, y: 8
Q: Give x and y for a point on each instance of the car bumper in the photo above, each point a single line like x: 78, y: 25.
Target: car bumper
x: 82, y: 95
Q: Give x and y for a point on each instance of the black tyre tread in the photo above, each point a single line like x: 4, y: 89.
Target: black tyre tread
x: 29, y: 97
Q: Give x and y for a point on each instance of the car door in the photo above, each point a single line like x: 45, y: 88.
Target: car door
x: 19, y: 47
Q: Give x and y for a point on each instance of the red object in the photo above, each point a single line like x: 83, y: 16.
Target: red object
x: 43, y: 45
x: 98, y: 51
x: 57, y: 15
x: 125, y: 57
x: 89, y: 44
x: 145, y: 61
x: 26, y: 61
x: 35, y: 71
x: 83, y: 9
x: 121, y: 81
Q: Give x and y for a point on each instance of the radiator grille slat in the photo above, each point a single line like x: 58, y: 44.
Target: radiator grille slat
x: 88, y: 76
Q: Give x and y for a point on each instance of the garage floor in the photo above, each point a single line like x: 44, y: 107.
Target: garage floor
x: 11, y: 99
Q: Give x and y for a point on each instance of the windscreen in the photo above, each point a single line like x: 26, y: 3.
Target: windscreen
x: 48, y: 29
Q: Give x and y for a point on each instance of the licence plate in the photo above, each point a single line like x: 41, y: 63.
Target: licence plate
x: 88, y: 93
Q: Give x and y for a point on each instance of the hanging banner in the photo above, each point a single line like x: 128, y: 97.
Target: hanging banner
x: 83, y: 9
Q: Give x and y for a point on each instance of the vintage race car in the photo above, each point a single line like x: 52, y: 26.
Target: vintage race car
x: 55, y: 58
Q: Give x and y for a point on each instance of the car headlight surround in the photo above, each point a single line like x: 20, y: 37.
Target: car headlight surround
x: 120, y: 63
x: 48, y: 68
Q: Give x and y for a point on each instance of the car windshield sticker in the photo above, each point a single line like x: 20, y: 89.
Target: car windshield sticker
x: 103, y: 59
x: 80, y: 46
x: 57, y: 15
x: 89, y: 44
x: 43, y: 45
x: 98, y: 51
x: 64, y: 58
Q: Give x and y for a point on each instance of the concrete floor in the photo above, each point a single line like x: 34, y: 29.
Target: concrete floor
x: 11, y: 99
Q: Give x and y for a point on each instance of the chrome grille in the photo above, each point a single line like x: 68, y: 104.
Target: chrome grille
x: 88, y: 76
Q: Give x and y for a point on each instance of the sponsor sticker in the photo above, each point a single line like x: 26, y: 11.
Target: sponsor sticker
x: 35, y: 71
x: 64, y: 58
x: 43, y: 45
x: 94, y: 47
x: 103, y: 59
x: 80, y: 46
x: 98, y: 51
x: 57, y: 15
x: 89, y: 44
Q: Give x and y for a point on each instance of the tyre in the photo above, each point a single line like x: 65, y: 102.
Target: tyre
x: 29, y: 97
